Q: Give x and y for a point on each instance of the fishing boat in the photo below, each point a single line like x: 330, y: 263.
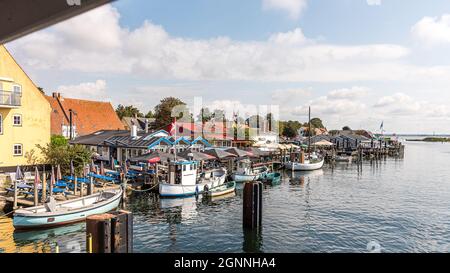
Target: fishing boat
x: 55, y: 213
x: 271, y: 178
x: 183, y: 181
x: 222, y: 190
x: 245, y: 172
x: 307, y: 165
x: 343, y: 158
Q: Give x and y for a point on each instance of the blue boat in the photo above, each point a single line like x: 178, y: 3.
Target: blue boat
x: 54, y: 213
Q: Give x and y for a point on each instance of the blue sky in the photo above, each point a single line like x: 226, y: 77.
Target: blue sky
x: 356, y: 62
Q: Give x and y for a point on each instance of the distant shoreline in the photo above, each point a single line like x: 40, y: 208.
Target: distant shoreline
x: 432, y: 139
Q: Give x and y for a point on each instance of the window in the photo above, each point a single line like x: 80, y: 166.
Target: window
x: 17, y: 120
x: 17, y: 89
x: 18, y: 150
x: 184, y: 168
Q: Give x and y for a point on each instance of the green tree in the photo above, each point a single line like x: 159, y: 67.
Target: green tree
x: 163, y: 111
x: 128, y: 111
x: 150, y: 114
x: 58, y: 140
x: 317, y: 123
x: 289, y: 131
x: 62, y: 154
x: 346, y: 128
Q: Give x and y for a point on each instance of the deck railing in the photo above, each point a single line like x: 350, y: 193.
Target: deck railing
x: 9, y: 98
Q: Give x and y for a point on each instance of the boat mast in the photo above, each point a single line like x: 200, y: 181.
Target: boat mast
x: 175, y: 124
x: 309, y: 130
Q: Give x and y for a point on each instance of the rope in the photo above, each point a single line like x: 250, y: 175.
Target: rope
x: 130, y: 188
x: 4, y: 215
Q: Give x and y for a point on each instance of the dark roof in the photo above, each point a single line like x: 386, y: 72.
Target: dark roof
x: 238, y: 152
x: 164, y: 157
x: 99, y: 137
x: 219, y: 153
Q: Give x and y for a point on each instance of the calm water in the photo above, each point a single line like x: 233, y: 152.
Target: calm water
x: 400, y: 205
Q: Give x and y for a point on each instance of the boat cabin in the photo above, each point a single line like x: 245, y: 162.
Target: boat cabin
x: 244, y: 166
x: 183, y: 172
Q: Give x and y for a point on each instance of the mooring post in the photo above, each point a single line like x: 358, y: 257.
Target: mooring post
x: 123, y: 179
x: 36, y: 193
x: 110, y: 232
x: 15, y: 195
x: 75, y: 183
x: 252, y: 205
x: 44, y: 187
x: 91, y: 186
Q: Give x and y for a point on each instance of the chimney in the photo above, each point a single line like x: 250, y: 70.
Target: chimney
x: 134, y: 131
x: 146, y: 125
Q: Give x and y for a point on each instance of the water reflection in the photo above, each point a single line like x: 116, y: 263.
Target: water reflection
x: 303, y: 178
x: 253, y: 241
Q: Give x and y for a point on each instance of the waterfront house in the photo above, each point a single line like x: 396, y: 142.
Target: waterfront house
x: 143, y: 124
x: 123, y: 145
x: 87, y: 116
x: 24, y: 114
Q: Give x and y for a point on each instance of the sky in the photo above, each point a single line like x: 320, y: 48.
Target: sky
x: 357, y: 63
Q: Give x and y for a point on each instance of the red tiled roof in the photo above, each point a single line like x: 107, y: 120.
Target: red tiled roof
x: 91, y: 116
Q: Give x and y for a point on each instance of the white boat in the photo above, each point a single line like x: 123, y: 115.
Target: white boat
x: 343, y: 158
x: 306, y: 166
x: 183, y: 181
x: 56, y: 213
x: 222, y: 190
x: 245, y: 172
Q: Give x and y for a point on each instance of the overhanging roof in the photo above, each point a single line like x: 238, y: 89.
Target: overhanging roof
x: 21, y: 17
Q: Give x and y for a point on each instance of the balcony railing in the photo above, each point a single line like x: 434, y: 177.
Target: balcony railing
x: 8, y: 98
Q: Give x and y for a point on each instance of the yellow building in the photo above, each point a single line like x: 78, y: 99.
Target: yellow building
x: 24, y: 114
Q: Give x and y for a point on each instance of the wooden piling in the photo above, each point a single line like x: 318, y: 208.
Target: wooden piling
x: 36, y: 194
x: 110, y: 232
x: 91, y: 186
x: 252, y: 205
x: 75, y: 188
x: 44, y: 187
x: 15, y: 195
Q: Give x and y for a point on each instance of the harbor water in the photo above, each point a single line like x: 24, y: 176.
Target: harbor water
x: 392, y: 205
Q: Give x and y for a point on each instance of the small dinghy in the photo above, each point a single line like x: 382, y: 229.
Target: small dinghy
x: 55, y: 213
x: 222, y: 190
x: 246, y: 173
x: 271, y: 178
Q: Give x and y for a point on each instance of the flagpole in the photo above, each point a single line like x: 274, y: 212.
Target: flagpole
x: 175, y: 139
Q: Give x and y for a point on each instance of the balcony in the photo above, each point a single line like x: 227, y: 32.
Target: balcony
x: 9, y: 99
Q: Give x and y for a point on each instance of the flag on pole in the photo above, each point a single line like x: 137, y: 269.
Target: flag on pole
x: 173, y: 127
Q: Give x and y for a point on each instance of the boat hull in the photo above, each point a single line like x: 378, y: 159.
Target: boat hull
x: 272, y: 178
x: 178, y: 190
x: 241, y: 178
x: 26, y: 222
x: 227, y: 189
x: 304, y: 166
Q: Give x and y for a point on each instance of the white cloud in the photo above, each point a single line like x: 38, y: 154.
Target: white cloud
x: 151, y: 52
x: 402, y: 104
x: 292, y: 7
x: 373, y: 2
x: 348, y: 93
x: 88, y: 90
x: 290, y: 38
x: 290, y: 95
x: 432, y: 30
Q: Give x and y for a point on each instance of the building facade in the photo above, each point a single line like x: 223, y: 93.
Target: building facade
x: 24, y: 114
